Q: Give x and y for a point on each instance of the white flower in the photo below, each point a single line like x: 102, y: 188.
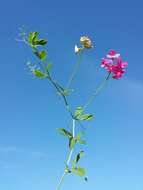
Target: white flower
x: 77, y: 49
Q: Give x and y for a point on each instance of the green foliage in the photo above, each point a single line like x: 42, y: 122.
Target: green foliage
x: 86, y: 117
x: 79, y: 171
x: 79, y: 140
x: 39, y: 73
x: 41, y: 42
x: 48, y: 66
x: 32, y: 37
x: 80, y: 115
x: 72, y: 142
x: 65, y: 132
x: 41, y: 54
x: 77, y: 158
x: 34, y: 41
x: 78, y: 112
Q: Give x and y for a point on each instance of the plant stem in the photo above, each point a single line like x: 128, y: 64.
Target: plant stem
x: 58, y: 88
x: 61, y: 181
x: 99, y: 88
x: 75, y: 70
x: 68, y: 159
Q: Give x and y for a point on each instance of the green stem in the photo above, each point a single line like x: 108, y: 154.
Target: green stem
x: 75, y: 70
x: 68, y: 159
x: 59, y: 90
x: 61, y: 181
x: 99, y: 88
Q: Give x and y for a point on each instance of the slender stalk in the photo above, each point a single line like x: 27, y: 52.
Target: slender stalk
x: 99, y: 88
x: 61, y: 180
x: 68, y: 159
x: 75, y: 70
x: 59, y: 90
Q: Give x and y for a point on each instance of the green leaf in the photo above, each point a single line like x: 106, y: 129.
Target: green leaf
x: 79, y: 140
x: 78, y: 137
x: 78, y: 157
x: 86, y: 117
x: 78, y: 112
x: 72, y: 142
x: 41, y: 42
x: 82, y: 141
x: 34, y: 41
x: 39, y: 73
x: 79, y: 115
x: 41, y: 55
x: 32, y: 37
x: 79, y: 171
x: 49, y: 66
x: 65, y: 132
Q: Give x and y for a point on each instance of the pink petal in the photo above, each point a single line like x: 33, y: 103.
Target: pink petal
x: 124, y: 64
x: 112, y: 52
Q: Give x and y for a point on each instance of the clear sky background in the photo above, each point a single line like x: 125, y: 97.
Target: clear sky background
x: 31, y: 151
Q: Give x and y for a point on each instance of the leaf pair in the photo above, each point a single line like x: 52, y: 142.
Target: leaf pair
x: 72, y: 140
x: 34, y: 41
x: 80, y: 115
x: 41, y: 54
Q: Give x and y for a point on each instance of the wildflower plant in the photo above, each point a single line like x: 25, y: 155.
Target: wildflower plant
x: 42, y: 69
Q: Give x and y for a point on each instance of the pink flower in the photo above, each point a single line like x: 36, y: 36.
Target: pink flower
x: 114, y: 65
x: 106, y: 63
x: 112, y: 54
x: 118, y: 68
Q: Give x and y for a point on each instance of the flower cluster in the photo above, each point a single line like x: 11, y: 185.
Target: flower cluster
x: 114, y: 64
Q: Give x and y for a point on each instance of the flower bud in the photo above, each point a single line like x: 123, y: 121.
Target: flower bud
x: 86, y: 42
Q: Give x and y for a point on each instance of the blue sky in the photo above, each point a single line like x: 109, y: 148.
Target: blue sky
x: 31, y: 151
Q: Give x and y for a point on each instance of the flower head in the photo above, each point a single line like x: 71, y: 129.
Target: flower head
x: 114, y: 64
x: 118, y: 69
x: 86, y: 42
